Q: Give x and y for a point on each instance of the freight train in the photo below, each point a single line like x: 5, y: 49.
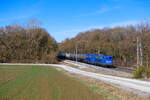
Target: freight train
x: 100, y: 59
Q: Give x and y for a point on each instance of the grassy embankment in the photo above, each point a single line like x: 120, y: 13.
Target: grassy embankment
x: 42, y: 83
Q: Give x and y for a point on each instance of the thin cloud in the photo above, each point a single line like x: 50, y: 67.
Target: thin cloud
x: 101, y: 11
x: 117, y: 7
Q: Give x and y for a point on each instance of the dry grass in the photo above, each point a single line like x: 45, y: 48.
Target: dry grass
x: 124, y: 95
x: 69, y: 64
x: 98, y: 71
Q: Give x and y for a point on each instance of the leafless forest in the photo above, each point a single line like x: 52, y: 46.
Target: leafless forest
x: 27, y: 44
x: 129, y: 45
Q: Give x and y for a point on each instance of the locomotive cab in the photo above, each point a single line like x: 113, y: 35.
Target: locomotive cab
x: 108, y: 60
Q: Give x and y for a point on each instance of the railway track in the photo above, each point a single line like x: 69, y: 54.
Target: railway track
x: 112, y: 70
x: 124, y: 70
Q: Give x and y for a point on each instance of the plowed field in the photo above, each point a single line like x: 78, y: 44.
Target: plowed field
x: 41, y: 83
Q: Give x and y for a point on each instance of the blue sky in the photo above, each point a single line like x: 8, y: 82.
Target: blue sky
x: 65, y: 18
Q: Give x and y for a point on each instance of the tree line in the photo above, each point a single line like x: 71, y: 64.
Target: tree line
x: 32, y: 44
x: 120, y: 42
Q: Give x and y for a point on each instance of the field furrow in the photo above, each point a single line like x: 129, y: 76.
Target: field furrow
x: 42, y: 83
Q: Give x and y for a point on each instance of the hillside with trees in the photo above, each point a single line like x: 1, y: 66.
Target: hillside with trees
x: 120, y: 42
x: 32, y: 44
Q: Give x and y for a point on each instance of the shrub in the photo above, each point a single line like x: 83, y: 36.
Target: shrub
x: 142, y: 72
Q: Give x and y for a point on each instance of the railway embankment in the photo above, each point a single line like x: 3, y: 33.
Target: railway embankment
x: 122, y: 72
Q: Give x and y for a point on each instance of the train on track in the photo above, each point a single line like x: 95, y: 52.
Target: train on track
x: 100, y: 59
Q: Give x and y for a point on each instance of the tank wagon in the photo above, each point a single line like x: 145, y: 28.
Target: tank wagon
x: 100, y: 59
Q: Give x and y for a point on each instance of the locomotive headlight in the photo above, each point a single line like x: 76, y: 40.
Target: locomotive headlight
x: 108, y: 61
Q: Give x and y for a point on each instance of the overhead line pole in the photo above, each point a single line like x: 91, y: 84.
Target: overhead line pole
x: 138, y: 57
x: 76, y: 53
x: 141, y: 52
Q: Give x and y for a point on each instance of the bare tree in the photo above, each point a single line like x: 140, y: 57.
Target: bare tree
x: 142, y: 28
x: 33, y: 23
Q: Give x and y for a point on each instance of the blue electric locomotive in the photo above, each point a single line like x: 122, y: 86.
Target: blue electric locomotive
x: 99, y: 59
x: 103, y: 60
